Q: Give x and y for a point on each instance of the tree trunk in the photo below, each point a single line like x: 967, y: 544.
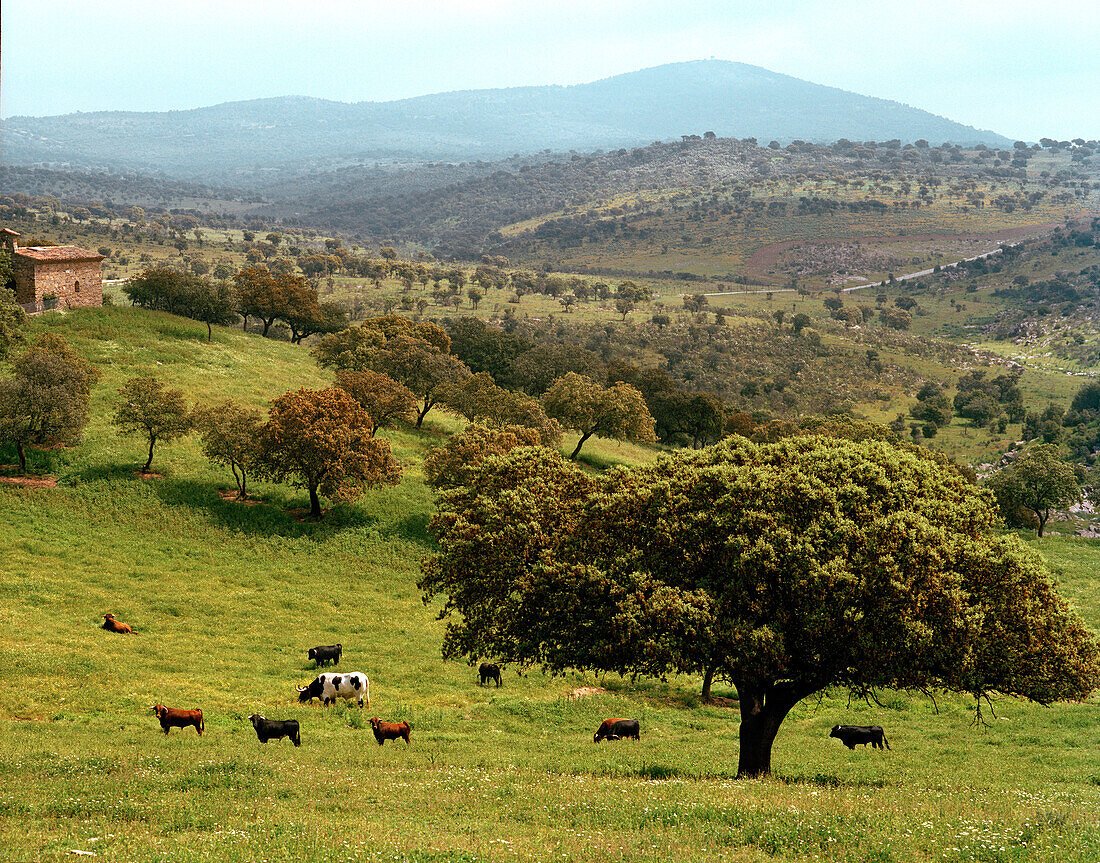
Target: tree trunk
x: 580, y: 443
x: 244, y: 323
x: 420, y: 414
x: 149, y: 461
x: 22, y: 457
x: 267, y: 325
x: 708, y: 678
x: 1042, y: 516
x: 314, y: 503
x: 209, y: 332
x: 763, y: 709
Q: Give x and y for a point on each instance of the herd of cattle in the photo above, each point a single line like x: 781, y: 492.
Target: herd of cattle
x: 355, y: 685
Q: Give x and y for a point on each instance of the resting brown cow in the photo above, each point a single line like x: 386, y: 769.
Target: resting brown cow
x: 112, y: 625
x: 384, y: 731
x: 173, y: 717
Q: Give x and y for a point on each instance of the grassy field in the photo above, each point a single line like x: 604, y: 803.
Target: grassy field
x: 226, y: 599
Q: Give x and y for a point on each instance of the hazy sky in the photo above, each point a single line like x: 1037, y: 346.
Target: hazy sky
x: 1024, y: 68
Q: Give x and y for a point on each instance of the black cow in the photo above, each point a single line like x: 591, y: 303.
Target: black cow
x: 488, y: 671
x: 616, y: 729
x: 850, y: 735
x: 325, y: 653
x: 274, y: 729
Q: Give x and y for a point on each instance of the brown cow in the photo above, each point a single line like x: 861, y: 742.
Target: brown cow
x: 384, y: 731
x: 112, y: 625
x: 173, y: 717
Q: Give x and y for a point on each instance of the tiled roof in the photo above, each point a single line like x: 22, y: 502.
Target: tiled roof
x: 58, y: 253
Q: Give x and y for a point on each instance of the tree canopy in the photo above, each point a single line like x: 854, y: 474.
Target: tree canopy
x: 231, y: 436
x: 416, y: 355
x: 322, y: 441
x: 581, y: 404
x: 1039, y: 481
x: 149, y: 408
x: 785, y: 568
x: 384, y: 399
x: 45, y: 401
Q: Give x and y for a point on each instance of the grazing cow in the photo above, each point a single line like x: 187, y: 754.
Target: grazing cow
x: 173, y: 717
x: 384, y: 731
x: 112, y: 625
x: 274, y: 729
x: 328, y: 687
x: 850, y: 735
x: 326, y: 653
x: 616, y: 729
x: 488, y: 671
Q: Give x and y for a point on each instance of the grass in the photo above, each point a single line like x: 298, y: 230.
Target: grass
x: 226, y: 599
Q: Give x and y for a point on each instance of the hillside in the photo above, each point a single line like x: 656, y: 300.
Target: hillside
x: 237, y: 140
x: 225, y: 600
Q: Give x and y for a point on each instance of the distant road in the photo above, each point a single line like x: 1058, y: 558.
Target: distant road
x: 881, y: 284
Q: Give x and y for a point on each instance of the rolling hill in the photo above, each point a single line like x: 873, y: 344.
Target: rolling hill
x: 254, y: 138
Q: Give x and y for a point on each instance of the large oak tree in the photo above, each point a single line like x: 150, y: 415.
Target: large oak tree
x: 45, y: 401
x: 785, y: 568
x: 322, y: 441
x: 617, y: 411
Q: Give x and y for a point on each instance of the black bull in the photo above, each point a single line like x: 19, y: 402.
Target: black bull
x: 274, y: 729
x: 850, y: 735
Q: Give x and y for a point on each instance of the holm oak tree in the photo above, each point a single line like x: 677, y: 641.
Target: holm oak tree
x: 785, y: 568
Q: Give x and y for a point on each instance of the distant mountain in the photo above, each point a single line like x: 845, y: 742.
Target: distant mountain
x: 229, y: 142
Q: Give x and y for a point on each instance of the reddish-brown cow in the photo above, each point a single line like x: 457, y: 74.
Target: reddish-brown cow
x: 112, y: 625
x: 173, y: 717
x: 384, y: 731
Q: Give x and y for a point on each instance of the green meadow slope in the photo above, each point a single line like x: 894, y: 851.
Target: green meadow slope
x: 226, y: 599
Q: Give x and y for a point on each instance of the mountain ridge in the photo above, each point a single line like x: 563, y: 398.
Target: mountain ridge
x: 635, y: 108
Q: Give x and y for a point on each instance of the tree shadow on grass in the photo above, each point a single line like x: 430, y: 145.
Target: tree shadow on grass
x: 828, y: 780
x: 100, y: 472
x: 412, y: 528
x: 263, y: 519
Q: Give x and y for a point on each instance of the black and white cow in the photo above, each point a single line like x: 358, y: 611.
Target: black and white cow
x: 323, y: 654
x: 275, y: 729
x: 329, y: 686
x: 850, y: 735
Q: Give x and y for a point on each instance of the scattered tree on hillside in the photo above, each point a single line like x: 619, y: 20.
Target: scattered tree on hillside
x: 322, y: 441
x: 536, y: 369
x: 149, y: 408
x: 270, y: 297
x: 231, y: 436
x: 785, y: 568
x: 415, y: 354
x: 45, y: 401
x: 1038, y: 481
x: 479, y: 399
x: 895, y: 318
x: 384, y: 399
x: 618, y: 412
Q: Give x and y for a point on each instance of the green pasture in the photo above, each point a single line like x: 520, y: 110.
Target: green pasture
x: 226, y: 598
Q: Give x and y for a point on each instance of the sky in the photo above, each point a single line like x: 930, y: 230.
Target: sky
x: 1024, y: 69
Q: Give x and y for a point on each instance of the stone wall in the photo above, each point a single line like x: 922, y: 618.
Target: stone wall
x: 72, y: 283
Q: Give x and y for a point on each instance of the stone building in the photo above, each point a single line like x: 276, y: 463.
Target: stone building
x: 53, y: 277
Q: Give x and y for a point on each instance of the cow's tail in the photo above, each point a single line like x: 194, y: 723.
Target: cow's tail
x: 202, y: 723
x: 885, y: 741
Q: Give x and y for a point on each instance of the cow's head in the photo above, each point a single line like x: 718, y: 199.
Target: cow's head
x: 835, y: 732
x: 314, y: 690
x: 160, y: 711
x: 312, y: 653
x: 256, y: 719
